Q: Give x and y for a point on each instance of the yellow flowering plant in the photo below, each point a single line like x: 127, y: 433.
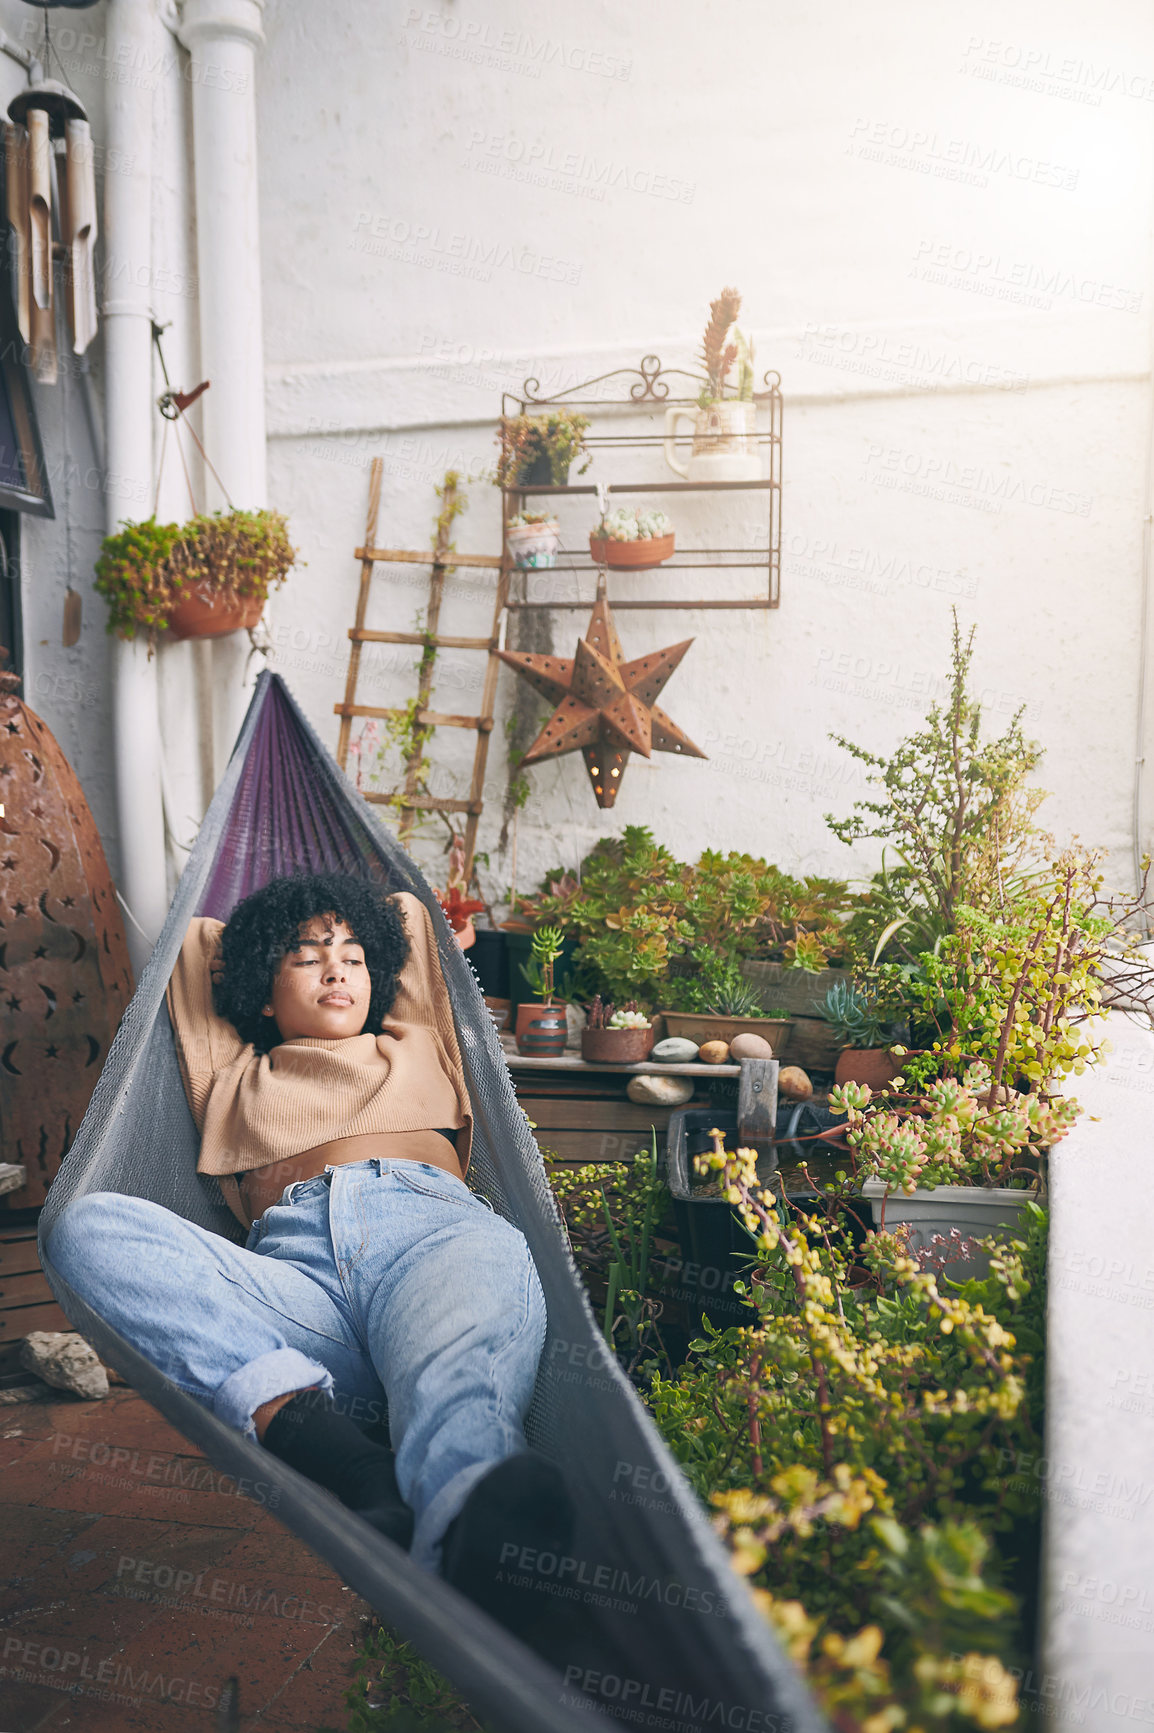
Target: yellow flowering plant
x: 850, y: 1439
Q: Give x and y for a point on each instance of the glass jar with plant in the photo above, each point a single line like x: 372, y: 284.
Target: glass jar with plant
x: 539, y: 450
x: 197, y: 580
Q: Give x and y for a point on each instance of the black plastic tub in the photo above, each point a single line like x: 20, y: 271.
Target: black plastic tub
x: 716, y: 1250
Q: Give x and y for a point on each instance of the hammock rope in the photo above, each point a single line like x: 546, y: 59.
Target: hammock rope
x: 662, y: 1632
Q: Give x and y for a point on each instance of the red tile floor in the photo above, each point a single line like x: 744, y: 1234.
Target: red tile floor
x: 135, y: 1585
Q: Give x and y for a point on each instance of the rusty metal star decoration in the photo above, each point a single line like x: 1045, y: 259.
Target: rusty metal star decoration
x: 605, y: 705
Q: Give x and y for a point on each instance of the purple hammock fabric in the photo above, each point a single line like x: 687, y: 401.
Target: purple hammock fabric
x: 659, y: 1631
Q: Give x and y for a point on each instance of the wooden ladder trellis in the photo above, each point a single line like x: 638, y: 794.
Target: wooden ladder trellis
x: 442, y: 560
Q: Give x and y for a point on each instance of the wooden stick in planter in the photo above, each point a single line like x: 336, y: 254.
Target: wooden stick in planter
x: 757, y: 1106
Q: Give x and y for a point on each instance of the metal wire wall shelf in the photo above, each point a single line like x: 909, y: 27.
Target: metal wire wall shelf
x: 648, y: 388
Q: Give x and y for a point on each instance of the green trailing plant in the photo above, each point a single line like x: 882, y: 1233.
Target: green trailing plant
x: 395, y: 1691
x: 558, y: 438
x: 850, y: 1439
x: 957, y: 812
x: 146, y: 568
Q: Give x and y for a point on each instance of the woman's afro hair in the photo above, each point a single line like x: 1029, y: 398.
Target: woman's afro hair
x: 265, y: 927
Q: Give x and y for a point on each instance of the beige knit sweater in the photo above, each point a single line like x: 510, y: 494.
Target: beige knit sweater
x: 255, y: 1108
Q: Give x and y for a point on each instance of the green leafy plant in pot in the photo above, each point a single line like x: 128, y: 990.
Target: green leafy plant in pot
x: 717, y: 1003
x: 539, y: 450
x: 542, y: 1027
x: 866, y: 1031
x: 196, y: 580
x: 616, y: 1037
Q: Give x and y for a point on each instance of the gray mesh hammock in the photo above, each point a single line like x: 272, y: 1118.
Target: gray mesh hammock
x: 658, y: 1631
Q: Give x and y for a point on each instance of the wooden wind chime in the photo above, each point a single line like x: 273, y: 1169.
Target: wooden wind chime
x: 49, y: 173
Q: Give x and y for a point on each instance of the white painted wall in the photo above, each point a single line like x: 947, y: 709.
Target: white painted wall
x: 941, y: 227
x: 947, y: 257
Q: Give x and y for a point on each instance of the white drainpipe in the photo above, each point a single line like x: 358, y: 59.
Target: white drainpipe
x: 132, y: 40
x: 222, y: 37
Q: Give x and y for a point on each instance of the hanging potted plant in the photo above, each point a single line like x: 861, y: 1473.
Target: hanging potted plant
x: 632, y: 538
x: 538, y: 450
x: 542, y: 1027
x: 612, y: 1037
x: 201, y: 579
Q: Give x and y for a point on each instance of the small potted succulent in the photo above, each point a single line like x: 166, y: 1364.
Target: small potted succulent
x: 864, y: 1034
x: 612, y: 1037
x: 542, y: 1028
x: 533, y: 538
x: 538, y: 450
x: 632, y: 538
x: 201, y: 579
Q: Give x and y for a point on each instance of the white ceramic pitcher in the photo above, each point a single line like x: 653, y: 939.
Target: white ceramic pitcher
x: 724, y: 442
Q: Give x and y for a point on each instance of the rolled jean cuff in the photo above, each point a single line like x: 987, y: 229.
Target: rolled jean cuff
x: 276, y: 1373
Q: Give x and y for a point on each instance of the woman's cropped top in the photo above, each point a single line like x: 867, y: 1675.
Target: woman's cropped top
x: 255, y: 1108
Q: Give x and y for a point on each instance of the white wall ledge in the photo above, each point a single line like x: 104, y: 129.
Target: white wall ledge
x: 1096, y: 1672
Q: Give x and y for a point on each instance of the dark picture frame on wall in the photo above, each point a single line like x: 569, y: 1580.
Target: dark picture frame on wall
x: 23, y: 473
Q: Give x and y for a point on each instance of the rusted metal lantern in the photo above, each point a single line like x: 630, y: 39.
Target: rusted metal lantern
x: 65, y: 977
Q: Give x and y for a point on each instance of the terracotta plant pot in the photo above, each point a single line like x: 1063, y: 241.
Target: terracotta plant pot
x: 616, y: 1046
x: 873, y: 1065
x: 534, y: 546
x: 467, y: 935
x: 702, y: 1026
x: 206, y: 613
x: 542, y: 1031
x: 631, y: 556
x: 498, y: 1010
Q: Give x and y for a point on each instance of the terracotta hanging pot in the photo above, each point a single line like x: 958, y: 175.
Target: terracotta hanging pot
x: 204, y: 612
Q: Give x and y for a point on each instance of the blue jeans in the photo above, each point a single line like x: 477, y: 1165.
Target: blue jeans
x: 378, y: 1280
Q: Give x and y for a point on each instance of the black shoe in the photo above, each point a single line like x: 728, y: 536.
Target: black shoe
x: 521, y: 1511
x: 313, y: 1438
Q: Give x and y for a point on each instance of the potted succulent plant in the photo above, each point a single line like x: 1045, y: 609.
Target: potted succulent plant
x: 538, y: 450
x: 865, y: 1035
x: 717, y: 1005
x: 632, y: 538
x: 201, y: 579
x: 612, y: 1037
x: 542, y: 1028
x: 533, y: 538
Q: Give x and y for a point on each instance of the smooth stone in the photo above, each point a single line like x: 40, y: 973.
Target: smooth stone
x: 675, y: 1050
x: 748, y: 1046
x: 64, y: 1360
x: 654, y: 1091
x: 793, y: 1083
x: 714, y: 1053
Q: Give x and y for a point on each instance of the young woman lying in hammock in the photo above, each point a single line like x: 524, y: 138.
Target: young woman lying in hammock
x: 320, y: 1060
